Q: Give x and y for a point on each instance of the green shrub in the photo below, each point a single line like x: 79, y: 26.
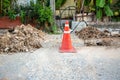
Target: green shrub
x: 38, y: 14
x: 5, y: 5
x: 22, y: 16
x: 45, y: 18
x: 12, y: 14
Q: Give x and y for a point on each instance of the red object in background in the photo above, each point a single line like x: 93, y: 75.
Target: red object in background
x: 6, y: 23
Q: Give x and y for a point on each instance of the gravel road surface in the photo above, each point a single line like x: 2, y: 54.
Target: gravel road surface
x: 89, y: 63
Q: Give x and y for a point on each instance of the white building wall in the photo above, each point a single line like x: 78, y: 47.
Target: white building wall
x: 24, y: 2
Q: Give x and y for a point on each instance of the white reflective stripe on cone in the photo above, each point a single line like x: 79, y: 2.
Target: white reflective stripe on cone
x: 66, y: 31
x: 66, y: 25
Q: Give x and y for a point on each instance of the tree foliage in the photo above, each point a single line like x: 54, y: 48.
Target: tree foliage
x: 59, y: 3
x: 100, y: 7
x: 5, y: 5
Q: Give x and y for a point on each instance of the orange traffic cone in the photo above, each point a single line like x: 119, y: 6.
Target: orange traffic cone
x: 66, y: 41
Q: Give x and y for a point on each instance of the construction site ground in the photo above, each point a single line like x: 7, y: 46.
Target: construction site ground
x: 46, y: 63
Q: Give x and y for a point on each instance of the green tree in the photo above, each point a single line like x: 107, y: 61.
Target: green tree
x: 100, y: 7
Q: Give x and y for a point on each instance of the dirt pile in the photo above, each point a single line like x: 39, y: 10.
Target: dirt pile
x: 91, y: 33
x: 94, y: 37
x: 20, y: 39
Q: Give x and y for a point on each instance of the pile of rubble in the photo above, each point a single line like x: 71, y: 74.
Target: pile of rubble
x: 21, y: 39
x: 91, y: 33
x: 93, y: 36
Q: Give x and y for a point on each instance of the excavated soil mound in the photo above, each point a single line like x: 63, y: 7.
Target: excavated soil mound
x: 94, y: 37
x: 20, y: 39
x: 91, y: 33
